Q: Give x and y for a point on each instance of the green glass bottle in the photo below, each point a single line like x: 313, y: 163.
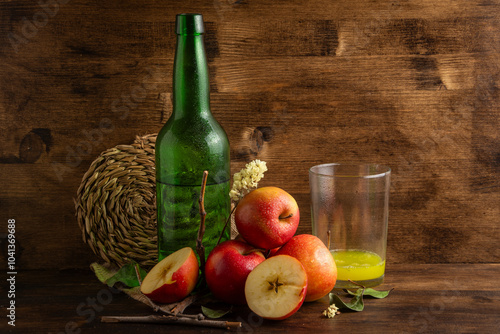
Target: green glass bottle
x: 190, y: 142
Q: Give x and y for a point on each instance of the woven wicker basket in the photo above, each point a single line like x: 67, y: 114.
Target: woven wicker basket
x: 116, y: 204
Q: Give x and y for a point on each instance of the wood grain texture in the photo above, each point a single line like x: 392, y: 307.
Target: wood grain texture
x: 410, y: 84
x: 435, y: 298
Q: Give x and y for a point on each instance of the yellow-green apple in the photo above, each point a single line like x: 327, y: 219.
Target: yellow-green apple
x: 227, y: 268
x: 267, y: 217
x: 317, y: 261
x: 173, y: 278
x: 277, y: 287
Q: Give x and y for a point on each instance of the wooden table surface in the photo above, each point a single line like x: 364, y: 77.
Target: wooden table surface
x: 427, y: 298
x: 412, y: 84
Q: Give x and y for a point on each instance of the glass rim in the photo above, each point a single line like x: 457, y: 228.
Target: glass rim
x: 385, y: 170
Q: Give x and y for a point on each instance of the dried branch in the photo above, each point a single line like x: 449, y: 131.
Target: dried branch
x: 182, y: 305
x: 169, y: 309
x: 198, y: 320
x: 200, y: 249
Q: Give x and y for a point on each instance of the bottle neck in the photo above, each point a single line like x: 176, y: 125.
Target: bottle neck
x: 191, y: 82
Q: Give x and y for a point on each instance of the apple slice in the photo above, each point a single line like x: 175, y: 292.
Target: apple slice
x: 277, y: 287
x: 173, y: 278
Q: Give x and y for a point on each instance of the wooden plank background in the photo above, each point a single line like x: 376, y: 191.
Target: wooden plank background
x: 413, y: 84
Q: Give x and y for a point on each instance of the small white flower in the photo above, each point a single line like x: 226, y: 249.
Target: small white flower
x: 234, y: 194
x: 247, y: 178
x: 331, y: 311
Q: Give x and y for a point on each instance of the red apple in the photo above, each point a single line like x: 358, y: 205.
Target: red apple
x: 227, y: 268
x: 317, y: 261
x: 173, y: 278
x: 267, y: 217
x: 272, y: 252
x: 277, y: 287
x: 239, y: 238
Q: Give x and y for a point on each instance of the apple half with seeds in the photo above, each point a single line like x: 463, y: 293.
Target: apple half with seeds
x: 173, y: 278
x: 277, y: 287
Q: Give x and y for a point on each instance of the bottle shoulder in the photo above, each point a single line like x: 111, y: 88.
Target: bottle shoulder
x: 186, y: 129
x: 185, y: 149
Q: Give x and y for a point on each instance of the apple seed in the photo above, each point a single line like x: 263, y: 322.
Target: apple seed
x: 274, y: 285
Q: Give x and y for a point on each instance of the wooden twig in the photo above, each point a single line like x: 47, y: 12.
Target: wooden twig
x: 200, y: 249
x: 173, y: 309
x: 182, y: 305
x: 182, y: 320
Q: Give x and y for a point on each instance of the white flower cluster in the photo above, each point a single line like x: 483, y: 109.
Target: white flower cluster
x: 247, y: 178
x: 331, y: 311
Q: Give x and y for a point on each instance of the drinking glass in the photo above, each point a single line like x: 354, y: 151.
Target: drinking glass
x: 349, y: 206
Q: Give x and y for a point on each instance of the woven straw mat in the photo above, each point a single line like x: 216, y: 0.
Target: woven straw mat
x: 116, y: 204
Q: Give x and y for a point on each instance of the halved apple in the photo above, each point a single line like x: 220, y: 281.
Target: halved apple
x: 173, y: 278
x: 277, y: 287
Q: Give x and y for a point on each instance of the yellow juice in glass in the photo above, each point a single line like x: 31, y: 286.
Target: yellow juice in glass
x: 363, y: 267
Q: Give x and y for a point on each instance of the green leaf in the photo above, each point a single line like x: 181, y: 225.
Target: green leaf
x: 369, y: 292
x: 376, y: 294
x: 214, y: 314
x: 355, y: 304
x: 127, y: 275
x: 355, y: 293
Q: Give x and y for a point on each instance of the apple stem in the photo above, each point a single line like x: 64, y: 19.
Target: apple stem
x: 200, y: 249
x: 286, y: 217
x: 356, y: 283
